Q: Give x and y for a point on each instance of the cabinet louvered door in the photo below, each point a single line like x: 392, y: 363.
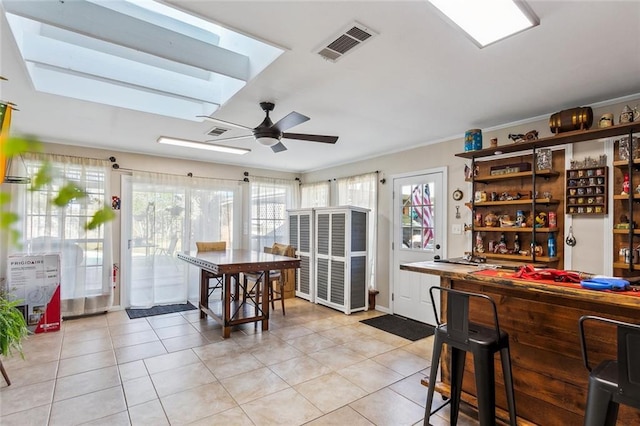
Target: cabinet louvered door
x: 301, y: 237
x: 294, y: 226
x: 358, y: 281
x: 341, y: 272
x: 323, y: 238
x: 322, y: 280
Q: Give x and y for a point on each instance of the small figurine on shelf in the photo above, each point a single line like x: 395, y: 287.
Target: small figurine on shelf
x: 541, y: 220
x: 479, y: 243
x: 516, y: 244
x: 638, y: 189
x: 625, y: 185
x: 501, y: 247
x: 467, y: 172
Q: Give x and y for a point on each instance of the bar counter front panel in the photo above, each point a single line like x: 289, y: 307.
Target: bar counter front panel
x: 550, y: 379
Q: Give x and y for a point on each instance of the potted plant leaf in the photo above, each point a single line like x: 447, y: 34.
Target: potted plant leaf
x: 13, y: 328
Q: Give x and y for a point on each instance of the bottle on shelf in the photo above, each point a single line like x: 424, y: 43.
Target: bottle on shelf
x: 625, y: 184
x: 551, y: 245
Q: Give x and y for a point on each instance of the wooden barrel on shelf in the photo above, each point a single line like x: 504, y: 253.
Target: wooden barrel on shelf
x: 580, y: 118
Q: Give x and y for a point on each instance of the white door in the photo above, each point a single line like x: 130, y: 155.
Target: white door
x: 419, y: 224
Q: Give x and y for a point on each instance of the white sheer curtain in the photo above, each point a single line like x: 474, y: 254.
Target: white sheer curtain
x: 85, y: 255
x: 314, y: 194
x: 362, y: 191
x: 270, y: 200
x: 169, y: 214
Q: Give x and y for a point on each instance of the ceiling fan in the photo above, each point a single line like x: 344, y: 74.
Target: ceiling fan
x: 269, y: 134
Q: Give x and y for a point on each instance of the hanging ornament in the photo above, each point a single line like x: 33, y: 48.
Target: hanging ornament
x: 571, y: 240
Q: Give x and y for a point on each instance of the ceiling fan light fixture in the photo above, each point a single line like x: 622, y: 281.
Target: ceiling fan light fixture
x: 267, y: 140
x: 201, y: 145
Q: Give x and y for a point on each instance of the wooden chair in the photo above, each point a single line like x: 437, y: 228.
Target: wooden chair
x: 204, y: 246
x: 276, y: 286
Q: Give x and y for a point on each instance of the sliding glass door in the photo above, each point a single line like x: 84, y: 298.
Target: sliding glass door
x: 162, y: 215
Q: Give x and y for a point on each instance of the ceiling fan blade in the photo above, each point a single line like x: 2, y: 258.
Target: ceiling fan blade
x: 290, y: 120
x: 233, y: 138
x: 311, y: 138
x: 228, y: 123
x: 279, y: 147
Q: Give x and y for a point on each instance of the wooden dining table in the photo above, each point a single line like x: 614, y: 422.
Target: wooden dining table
x: 235, y: 309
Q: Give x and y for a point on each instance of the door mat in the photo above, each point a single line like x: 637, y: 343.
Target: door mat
x: 159, y: 310
x: 400, y: 326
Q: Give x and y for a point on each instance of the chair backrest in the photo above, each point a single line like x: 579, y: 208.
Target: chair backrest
x: 282, y: 249
x: 628, y: 353
x: 458, y: 312
x: 211, y: 245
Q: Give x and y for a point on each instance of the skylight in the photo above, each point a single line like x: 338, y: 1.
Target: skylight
x: 136, y: 54
x: 488, y: 21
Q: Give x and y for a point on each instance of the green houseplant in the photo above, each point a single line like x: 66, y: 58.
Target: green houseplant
x: 13, y: 328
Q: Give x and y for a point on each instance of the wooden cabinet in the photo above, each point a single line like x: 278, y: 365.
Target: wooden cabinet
x: 301, y: 237
x: 587, y: 191
x: 516, y: 213
x: 341, y: 258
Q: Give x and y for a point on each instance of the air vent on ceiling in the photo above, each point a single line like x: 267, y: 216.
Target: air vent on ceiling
x: 345, y: 41
x: 216, y: 131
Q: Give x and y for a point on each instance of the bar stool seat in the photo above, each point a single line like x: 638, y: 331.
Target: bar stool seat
x: 462, y: 336
x: 612, y: 382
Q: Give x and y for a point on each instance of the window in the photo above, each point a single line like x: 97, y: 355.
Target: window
x: 314, y: 194
x: 270, y: 200
x: 362, y: 191
x: 85, y: 255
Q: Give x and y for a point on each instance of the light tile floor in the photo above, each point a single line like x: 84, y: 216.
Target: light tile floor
x: 314, y: 366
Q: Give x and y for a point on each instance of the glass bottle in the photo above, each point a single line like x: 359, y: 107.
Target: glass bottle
x: 551, y: 245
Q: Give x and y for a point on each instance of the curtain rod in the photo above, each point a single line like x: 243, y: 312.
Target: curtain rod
x: 112, y: 159
x: 246, y: 177
x: 117, y: 167
x: 352, y: 176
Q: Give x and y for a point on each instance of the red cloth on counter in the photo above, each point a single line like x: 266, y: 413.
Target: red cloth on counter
x: 497, y: 273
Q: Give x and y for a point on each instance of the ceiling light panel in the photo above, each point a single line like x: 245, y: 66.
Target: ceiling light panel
x: 487, y: 21
x: 201, y: 145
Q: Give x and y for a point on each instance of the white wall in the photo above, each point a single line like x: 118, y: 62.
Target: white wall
x: 586, y: 256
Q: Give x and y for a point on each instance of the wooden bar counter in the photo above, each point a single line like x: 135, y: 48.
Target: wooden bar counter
x: 542, y: 321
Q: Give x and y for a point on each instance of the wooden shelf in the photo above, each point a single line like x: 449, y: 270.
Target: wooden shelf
x: 520, y: 202
x: 622, y: 265
x: 622, y: 197
x: 625, y: 231
x: 518, y: 257
x: 625, y: 163
x: 509, y: 176
x: 559, y: 139
x: 511, y: 229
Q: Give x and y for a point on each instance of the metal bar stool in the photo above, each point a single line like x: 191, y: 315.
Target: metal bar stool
x: 462, y: 336
x: 612, y: 382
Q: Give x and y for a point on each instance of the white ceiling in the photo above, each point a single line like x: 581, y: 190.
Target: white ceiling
x: 419, y: 81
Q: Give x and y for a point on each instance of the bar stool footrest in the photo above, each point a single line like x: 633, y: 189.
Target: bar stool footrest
x: 445, y: 390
